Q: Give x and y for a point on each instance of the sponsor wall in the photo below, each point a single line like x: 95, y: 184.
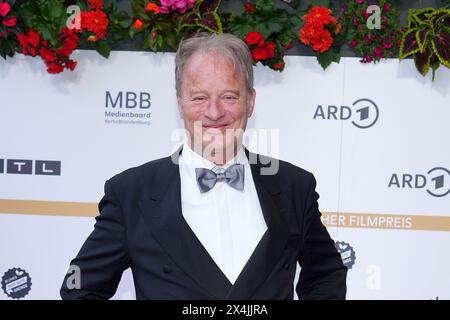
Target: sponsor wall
x: 374, y: 136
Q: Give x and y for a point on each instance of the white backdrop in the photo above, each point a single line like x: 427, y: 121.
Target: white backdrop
x: 394, y: 234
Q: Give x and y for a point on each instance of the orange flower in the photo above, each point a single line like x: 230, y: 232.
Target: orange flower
x: 138, y: 24
x: 310, y: 32
x: 318, y: 14
x: 324, y: 42
x: 337, y: 28
x: 152, y: 7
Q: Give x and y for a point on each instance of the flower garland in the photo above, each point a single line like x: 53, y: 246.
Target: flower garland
x: 46, y: 30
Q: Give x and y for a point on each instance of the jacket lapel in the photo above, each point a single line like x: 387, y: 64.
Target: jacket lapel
x: 162, y: 213
x: 272, y: 244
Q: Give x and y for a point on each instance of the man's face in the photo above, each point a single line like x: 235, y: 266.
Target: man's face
x: 215, y: 105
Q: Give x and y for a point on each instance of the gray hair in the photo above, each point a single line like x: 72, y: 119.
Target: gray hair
x: 224, y: 45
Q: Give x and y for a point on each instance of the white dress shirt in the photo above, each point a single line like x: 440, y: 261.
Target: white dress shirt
x: 229, y: 223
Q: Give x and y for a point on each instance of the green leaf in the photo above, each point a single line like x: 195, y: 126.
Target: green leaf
x: 56, y: 11
x: 422, y: 61
x: 441, y: 48
x: 418, y: 17
x: 126, y: 23
x: 159, y: 41
x: 322, y: 3
x: 438, y: 17
x: 422, y: 37
x: 325, y: 58
x: 408, y: 45
x: 102, y: 47
x: 132, y: 32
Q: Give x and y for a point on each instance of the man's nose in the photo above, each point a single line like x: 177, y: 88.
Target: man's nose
x: 214, y: 110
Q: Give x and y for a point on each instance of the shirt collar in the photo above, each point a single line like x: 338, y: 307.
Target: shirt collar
x: 194, y: 160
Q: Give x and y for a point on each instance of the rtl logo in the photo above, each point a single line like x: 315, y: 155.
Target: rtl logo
x: 37, y: 167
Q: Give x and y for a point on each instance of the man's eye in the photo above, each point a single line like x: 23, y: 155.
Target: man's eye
x: 199, y: 99
x: 230, y: 98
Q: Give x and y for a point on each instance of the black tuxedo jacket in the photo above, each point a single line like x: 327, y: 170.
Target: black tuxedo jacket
x: 141, y: 226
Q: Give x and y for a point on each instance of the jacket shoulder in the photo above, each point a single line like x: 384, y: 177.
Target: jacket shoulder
x: 286, y: 171
x: 145, y: 172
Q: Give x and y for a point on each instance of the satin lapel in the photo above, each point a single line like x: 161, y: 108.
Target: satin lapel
x: 272, y: 244
x: 162, y: 213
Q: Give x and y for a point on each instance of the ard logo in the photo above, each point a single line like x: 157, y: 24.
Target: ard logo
x: 436, y: 181
x: 363, y: 113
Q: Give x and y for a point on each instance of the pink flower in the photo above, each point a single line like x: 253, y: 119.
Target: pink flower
x: 166, y: 3
x: 176, y: 5
x: 354, y: 43
x: 377, y: 52
x: 368, y: 40
x: 387, y: 44
x: 359, y: 1
x: 366, y: 15
x: 387, y: 7
x: 366, y: 59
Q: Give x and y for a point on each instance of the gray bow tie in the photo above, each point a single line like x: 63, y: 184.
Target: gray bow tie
x: 233, y: 176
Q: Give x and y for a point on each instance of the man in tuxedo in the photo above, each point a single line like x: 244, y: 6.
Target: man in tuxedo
x: 212, y: 221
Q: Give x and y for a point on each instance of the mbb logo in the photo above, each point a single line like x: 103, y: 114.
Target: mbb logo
x: 363, y: 114
x: 436, y: 181
x: 128, y: 100
x: 22, y: 166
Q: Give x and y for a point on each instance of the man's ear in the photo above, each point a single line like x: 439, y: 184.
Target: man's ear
x: 251, y: 102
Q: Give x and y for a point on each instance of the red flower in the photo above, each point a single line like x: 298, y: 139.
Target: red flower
x: 5, y: 7
x: 96, y: 22
x: 68, y: 46
x: 289, y: 45
x: 259, y: 54
x: 138, y: 24
x: 254, y: 37
x: 387, y: 7
x: 264, y: 53
x: 23, y: 40
x: 47, y: 55
x: 33, y: 52
x: 33, y: 37
x: 10, y: 22
x: 279, y: 66
x: 71, y: 65
x: 96, y: 4
x: 54, y: 68
x: 249, y: 7
x: 270, y: 48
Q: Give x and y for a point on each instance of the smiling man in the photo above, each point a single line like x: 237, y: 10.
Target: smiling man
x: 208, y: 222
